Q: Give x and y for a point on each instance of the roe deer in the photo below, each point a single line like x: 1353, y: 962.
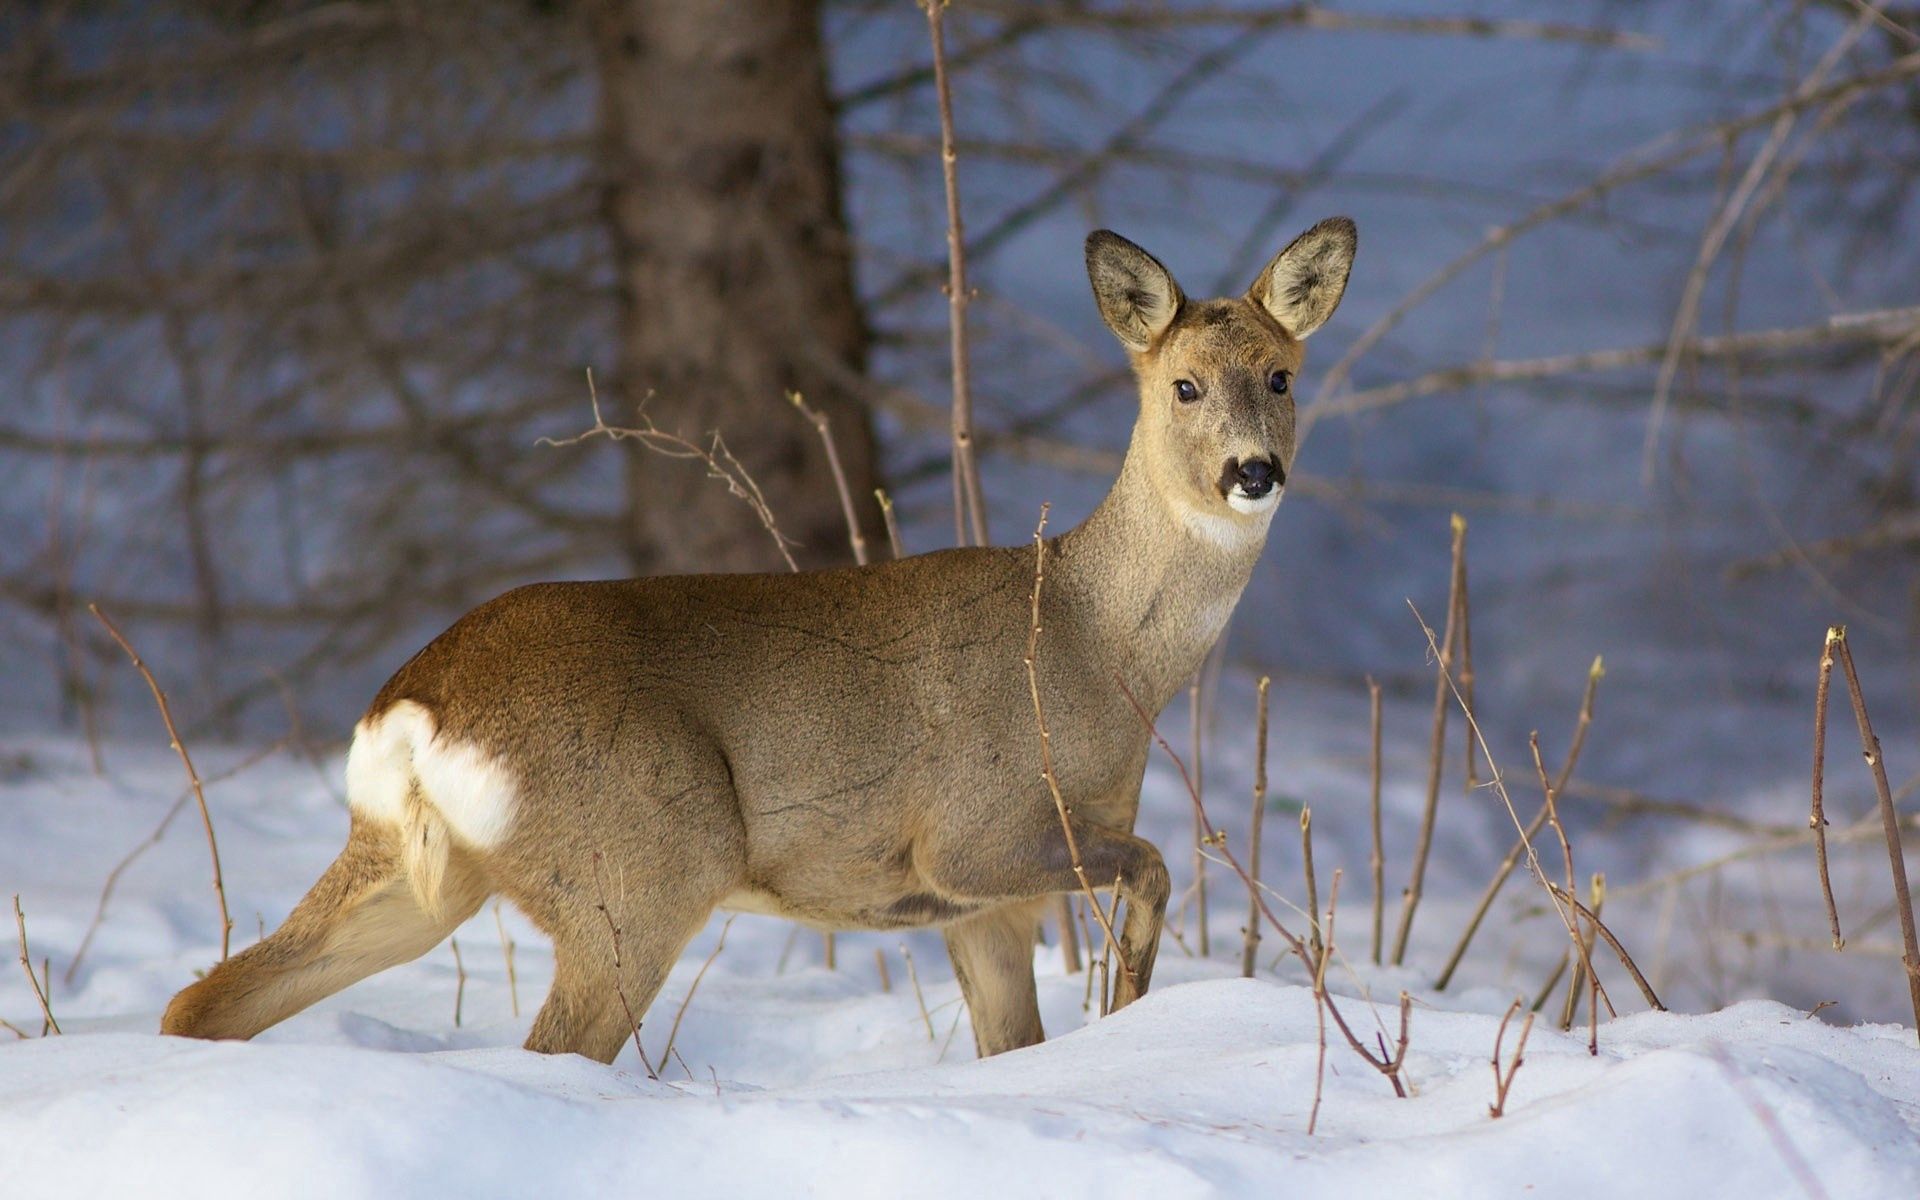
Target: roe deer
x: 853, y: 749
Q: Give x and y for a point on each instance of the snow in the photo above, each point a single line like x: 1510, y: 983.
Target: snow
x: 790, y: 1079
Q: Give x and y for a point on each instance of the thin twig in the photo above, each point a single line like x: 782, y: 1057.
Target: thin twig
x: 1156, y: 17
x: 1052, y: 781
x: 1722, y: 225
x: 969, y: 503
x: 880, y: 964
x: 1596, y: 898
x: 1314, y: 940
x: 1195, y: 733
x: 1465, y: 643
x: 1659, y: 157
x: 1251, y: 947
x: 460, y: 981
x: 715, y: 457
x: 1410, y: 898
x: 1320, y: 1008
x: 506, y: 952
x: 1890, y: 821
x: 1566, y: 911
x: 1606, y: 935
x: 1582, y: 961
x: 193, y: 776
x: 1817, y: 819
x: 619, y: 973
x: 1377, y: 861
x: 920, y: 998
x: 1503, y: 1081
x: 892, y: 522
x: 26, y: 964
x: 113, y: 880
x: 855, y: 538
x: 1595, y: 673
x: 1388, y: 1065
x: 1106, y: 951
x: 673, y: 1030
x: 149, y: 842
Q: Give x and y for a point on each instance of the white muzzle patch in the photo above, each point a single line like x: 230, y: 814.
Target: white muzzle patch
x: 1240, y: 502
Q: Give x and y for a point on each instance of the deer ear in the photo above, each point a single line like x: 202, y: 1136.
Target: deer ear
x: 1137, y: 296
x: 1303, y: 284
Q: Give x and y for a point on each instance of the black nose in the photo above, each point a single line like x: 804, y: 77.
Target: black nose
x: 1257, y: 476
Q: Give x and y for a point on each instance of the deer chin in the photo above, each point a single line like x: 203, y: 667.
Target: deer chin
x: 1240, y: 502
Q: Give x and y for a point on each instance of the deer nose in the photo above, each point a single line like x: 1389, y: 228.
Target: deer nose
x: 1256, y: 476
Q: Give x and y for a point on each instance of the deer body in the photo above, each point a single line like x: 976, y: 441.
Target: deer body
x: 851, y: 748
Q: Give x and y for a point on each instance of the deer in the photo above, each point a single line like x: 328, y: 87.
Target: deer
x: 850, y: 748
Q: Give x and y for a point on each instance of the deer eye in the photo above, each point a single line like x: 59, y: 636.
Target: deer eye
x: 1185, y: 391
x: 1278, y: 382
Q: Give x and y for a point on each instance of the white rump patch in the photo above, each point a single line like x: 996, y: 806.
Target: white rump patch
x: 469, y: 789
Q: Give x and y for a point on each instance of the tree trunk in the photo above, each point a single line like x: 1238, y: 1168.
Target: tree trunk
x: 732, y: 261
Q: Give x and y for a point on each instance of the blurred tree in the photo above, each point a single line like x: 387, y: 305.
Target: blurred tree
x: 732, y: 264
x: 312, y: 276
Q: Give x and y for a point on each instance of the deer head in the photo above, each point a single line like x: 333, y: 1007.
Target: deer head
x: 1216, y: 425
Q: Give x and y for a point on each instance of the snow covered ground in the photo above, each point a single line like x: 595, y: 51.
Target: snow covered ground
x: 787, y: 1078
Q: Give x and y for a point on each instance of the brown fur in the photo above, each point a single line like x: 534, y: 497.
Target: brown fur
x: 851, y: 748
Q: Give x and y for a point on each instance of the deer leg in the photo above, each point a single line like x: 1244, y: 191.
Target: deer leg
x: 359, y: 918
x: 992, y: 957
x: 1026, y: 864
x: 608, y: 966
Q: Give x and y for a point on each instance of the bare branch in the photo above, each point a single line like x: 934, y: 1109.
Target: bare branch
x: 969, y: 503
x: 186, y: 760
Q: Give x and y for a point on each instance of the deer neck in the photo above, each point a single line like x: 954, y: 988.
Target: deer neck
x: 1154, y: 580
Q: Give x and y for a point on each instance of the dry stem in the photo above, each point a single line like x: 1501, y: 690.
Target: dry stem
x: 1503, y: 1081
x: 920, y: 997
x: 1594, y: 674
x: 113, y: 880
x: 1817, y: 819
x: 1890, y: 821
x: 1565, y: 905
x: 460, y: 981
x: 880, y: 964
x: 1314, y: 940
x: 1606, y: 935
x: 506, y: 952
x: 619, y: 973
x: 1570, y: 1008
x: 1378, y: 860
x: 1465, y: 644
x: 892, y: 521
x: 1410, y: 899
x: 26, y: 964
x: 716, y: 458
x: 969, y: 503
x: 673, y: 1030
x: 1194, y: 722
x: 1046, y: 741
x: 1320, y: 1009
x: 1717, y: 233
x: 1387, y: 1064
x: 1252, y: 946
x: 818, y: 420
x: 193, y: 776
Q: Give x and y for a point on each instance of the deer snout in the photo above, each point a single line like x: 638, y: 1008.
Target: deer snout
x: 1252, y: 477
